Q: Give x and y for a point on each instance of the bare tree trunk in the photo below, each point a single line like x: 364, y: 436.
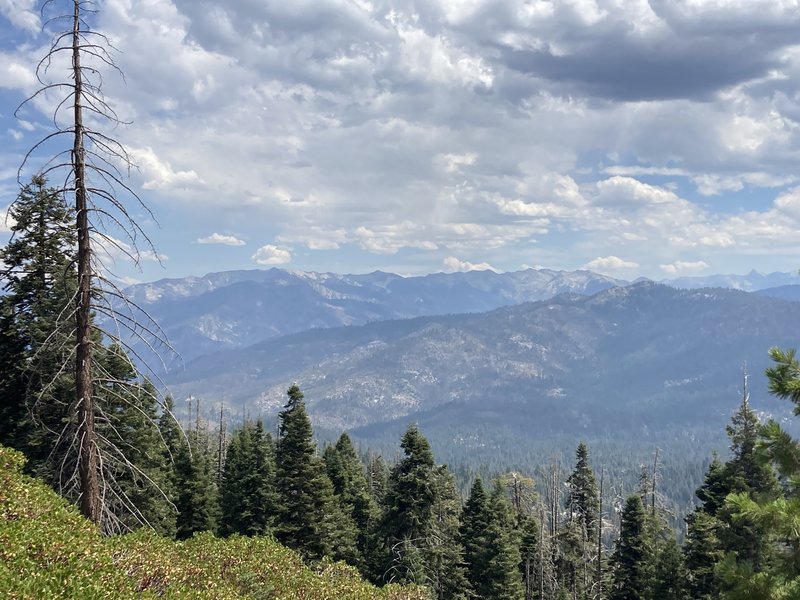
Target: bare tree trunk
x: 88, y: 460
x: 599, y: 593
x: 655, y: 476
x: 541, y: 554
x: 222, y: 445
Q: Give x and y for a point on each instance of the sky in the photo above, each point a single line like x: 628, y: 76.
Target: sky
x: 651, y: 138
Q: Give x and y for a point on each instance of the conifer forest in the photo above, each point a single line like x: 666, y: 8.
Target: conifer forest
x: 110, y: 487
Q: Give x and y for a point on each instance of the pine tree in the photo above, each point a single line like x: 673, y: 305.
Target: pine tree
x: 503, y: 579
x: 171, y: 435
x: 309, y: 520
x: 669, y: 576
x: 442, y: 552
x: 408, y: 502
x: 39, y: 281
x: 582, y: 501
x: 196, y: 500
x: 248, y: 502
x: 135, y: 462
x: 775, y: 515
x: 745, y: 473
x: 377, y: 478
x: 531, y: 554
x: 419, y: 527
x: 628, y: 561
x: 580, y: 530
x: 352, y: 490
x: 718, y: 530
x: 474, y: 531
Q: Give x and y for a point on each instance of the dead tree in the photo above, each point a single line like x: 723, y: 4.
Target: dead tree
x: 91, y: 170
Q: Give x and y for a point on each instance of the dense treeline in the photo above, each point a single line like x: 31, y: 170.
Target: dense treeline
x: 406, y: 522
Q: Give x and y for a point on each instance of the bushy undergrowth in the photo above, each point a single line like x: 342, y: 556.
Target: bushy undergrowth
x: 47, y: 550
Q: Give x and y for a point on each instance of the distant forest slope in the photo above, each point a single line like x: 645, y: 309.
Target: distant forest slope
x: 628, y: 370
x: 47, y: 550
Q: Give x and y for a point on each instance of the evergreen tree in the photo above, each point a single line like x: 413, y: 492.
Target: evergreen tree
x: 628, y: 561
x: 714, y: 529
x: 442, y: 552
x: 582, y: 500
x: 377, y: 478
x: 747, y: 474
x: 196, y: 499
x: 171, y: 439
x: 247, y: 493
x: 39, y: 282
x: 352, y: 490
x: 577, y: 538
x: 134, y: 460
x: 669, y: 576
x: 308, y: 518
x: 531, y: 557
x: 474, y: 532
x: 419, y: 527
x: 503, y: 580
x: 775, y: 516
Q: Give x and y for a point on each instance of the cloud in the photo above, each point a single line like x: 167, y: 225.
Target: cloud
x: 426, y: 131
x: 453, y: 264
x: 22, y: 14
x: 272, y: 255
x: 610, y: 263
x: 218, y: 238
x: 159, y: 174
x: 317, y: 238
x: 14, y: 74
x: 681, y: 267
x: 6, y: 220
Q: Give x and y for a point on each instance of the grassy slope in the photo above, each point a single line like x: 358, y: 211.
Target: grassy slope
x: 47, y: 550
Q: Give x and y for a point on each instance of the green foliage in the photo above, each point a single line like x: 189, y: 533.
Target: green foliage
x: 309, y: 519
x: 577, y: 538
x: 503, y: 580
x: 775, y: 518
x: 196, y: 497
x: 628, y: 561
x: 247, y: 498
x: 47, y: 550
x: 38, y: 281
x: 784, y: 376
x: 702, y: 552
x: 474, y: 532
x: 441, y: 551
x: 409, y: 496
x: 419, y: 527
x: 669, y: 573
x: 358, y: 508
x: 582, y: 501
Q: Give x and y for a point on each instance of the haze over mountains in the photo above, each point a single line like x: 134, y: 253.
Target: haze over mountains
x: 499, y: 368
x: 235, y: 309
x: 238, y: 308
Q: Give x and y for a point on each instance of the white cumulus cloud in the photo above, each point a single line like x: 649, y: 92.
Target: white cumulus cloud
x: 453, y: 264
x: 218, y: 238
x: 680, y: 267
x: 610, y: 263
x: 272, y: 255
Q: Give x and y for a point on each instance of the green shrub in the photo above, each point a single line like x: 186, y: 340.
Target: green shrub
x: 47, y: 550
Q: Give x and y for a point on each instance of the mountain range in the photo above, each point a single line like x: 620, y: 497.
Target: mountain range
x: 499, y: 370
x: 235, y: 309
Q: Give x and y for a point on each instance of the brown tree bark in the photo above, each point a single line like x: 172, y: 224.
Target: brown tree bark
x: 87, y: 437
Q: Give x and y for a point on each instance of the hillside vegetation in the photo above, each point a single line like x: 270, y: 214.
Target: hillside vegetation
x: 47, y: 550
